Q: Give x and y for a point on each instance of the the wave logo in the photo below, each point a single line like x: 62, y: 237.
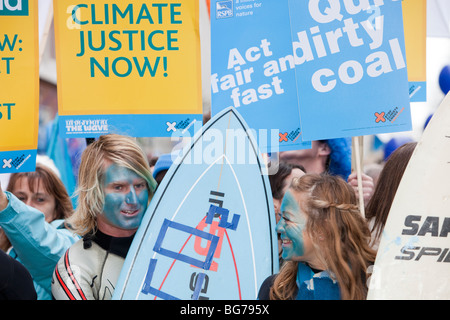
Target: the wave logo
x: 224, y: 9
x: 13, y: 7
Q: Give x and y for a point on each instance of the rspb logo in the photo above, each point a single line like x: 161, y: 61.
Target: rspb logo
x: 224, y: 9
x: 13, y: 7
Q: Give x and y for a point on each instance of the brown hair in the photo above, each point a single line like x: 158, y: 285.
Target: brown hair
x: 333, y: 215
x: 380, y: 203
x: 277, y: 180
x: 51, y: 184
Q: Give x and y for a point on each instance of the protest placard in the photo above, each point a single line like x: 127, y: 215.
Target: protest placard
x: 129, y: 67
x: 415, y: 25
x: 351, y: 67
x: 253, y: 70
x: 19, y: 85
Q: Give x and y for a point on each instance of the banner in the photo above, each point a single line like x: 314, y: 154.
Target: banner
x: 19, y: 85
x: 252, y: 69
x: 128, y: 67
x: 351, y: 67
x: 415, y: 25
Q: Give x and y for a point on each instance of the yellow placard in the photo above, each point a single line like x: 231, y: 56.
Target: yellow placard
x: 19, y: 75
x: 414, y: 22
x: 127, y: 57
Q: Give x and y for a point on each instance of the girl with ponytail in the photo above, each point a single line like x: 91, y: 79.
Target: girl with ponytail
x: 325, y: 242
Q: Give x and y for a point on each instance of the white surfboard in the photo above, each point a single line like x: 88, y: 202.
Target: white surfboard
x: 413, y: 260
x: 209, y: 232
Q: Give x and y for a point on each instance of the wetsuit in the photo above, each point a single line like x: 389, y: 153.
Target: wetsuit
x: 90, y: 268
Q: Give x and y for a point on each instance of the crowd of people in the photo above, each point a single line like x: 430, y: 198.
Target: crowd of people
x: 50, y: 250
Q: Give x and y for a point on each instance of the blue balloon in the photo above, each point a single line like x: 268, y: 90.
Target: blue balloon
x: 444, y: 79
x: 393, y: 144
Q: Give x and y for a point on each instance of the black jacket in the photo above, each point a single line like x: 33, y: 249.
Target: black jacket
x: 15, y: 280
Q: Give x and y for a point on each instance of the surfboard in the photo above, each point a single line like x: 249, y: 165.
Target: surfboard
x: 413, y: 260
x: 209, y: 232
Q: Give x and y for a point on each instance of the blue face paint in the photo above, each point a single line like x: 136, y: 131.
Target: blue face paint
x: 126, y: 197
x: 291, y: 227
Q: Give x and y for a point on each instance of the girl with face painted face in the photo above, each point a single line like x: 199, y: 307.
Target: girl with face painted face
x: 115, y: 186
x: 325, y: 243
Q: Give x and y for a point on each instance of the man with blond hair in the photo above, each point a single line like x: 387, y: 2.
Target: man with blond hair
x: 114, y: 189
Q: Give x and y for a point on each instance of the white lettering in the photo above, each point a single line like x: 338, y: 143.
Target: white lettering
x: 9, y: 7
x: 332, y: 12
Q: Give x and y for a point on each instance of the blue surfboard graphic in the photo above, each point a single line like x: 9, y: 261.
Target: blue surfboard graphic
x: 209, y: 232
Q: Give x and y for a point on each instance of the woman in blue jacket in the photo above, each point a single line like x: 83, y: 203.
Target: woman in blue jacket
x: 32, y: 214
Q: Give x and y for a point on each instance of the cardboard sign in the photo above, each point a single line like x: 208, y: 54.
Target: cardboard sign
x: 129, y: 67
x: 415, y: 25
x: 351, y: 67
x: 253, y: 70
x: 19, y: 85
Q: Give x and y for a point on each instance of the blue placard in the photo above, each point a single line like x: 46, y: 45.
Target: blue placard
x: 136, y: 125
x: 18, y: 161
x: 418, y: 91
x: 351, y: 67
x: 252, y: 69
